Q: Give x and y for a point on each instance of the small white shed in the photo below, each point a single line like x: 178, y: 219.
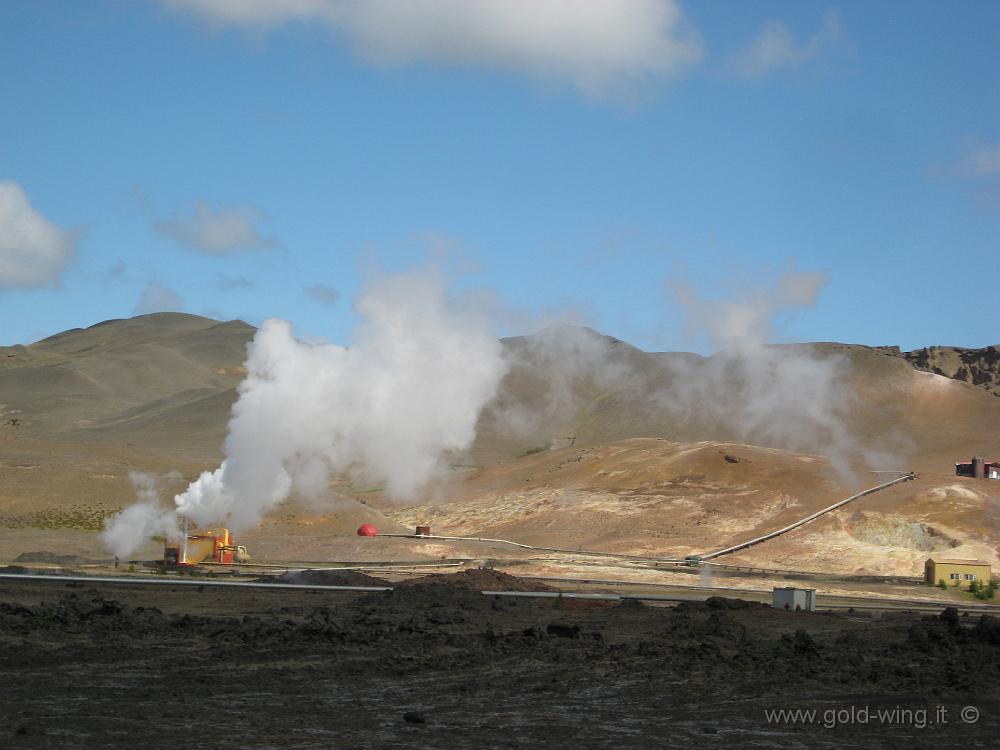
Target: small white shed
x: 791, y: 598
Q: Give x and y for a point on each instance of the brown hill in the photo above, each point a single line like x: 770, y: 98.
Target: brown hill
x: 651, y: 496
x: 166, y: 380
x: 83, y: 408
x: 582, y: 446
x: 893, y: 414
x: 642, y: 495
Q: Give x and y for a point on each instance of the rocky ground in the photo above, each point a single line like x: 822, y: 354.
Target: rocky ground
x: 435, y: 664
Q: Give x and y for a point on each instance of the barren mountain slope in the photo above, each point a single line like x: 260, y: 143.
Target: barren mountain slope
x: 898, y: 418
x: 167, y: 381
x: 128, y: 381
x: 642, y: 495
x: 651, y: 496
x: 894, y: 531
x: 893, y: 414
x: 83, y: 408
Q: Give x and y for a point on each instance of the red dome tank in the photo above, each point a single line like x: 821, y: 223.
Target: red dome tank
x: 366, y: 529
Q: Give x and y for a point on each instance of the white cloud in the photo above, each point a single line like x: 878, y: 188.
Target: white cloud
x: 33, y: 250
x: 323, y: 293
x: 986, y: 160
x: 253, y: 12
x: 979, y: 169
x: 229, y: 283
x: 217, y: 231
x: 117, y: 273
x: 749, y: 319
x: 599, y: 46
x: 775, y: 48
x: 158, y: 298
x: 979, y: 160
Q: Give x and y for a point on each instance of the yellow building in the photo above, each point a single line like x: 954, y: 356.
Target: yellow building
x: 956, y: 572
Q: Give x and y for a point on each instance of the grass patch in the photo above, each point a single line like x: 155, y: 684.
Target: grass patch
x: 77, y: 517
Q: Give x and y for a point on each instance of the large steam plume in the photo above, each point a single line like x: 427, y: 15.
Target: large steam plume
x: 387, y: 408
x: 577, y: 383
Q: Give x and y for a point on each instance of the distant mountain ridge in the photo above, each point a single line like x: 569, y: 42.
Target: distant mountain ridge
x: 114, y: 379
x: 168, y: 381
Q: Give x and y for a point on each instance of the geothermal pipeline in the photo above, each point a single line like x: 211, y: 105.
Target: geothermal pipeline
x: 423, y: 532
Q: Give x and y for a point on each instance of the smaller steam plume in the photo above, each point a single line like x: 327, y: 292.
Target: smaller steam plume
x: 576, y: 384
x: 569, y: 362
x: 124, y: 532
x: 784, y: 396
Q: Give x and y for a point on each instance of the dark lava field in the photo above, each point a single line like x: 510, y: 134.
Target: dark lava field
x: 435, y: 664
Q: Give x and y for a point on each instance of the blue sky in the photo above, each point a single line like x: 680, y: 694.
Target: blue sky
x: 255, y: 160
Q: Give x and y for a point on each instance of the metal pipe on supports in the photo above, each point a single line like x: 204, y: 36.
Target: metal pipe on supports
x: 807, y: 519
x: 560, y: 550
x: 703, y: 559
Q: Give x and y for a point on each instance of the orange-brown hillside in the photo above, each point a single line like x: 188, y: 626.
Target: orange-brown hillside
x: 576, y: 450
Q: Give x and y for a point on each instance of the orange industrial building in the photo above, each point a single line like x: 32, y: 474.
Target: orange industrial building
x: 211, y: 546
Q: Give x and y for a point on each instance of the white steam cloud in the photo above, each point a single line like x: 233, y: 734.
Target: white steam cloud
x: 565, y: 365
x: 568, y: 383
x: 124, y: 532
x: 388, y: 408
x: 785, y: 396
